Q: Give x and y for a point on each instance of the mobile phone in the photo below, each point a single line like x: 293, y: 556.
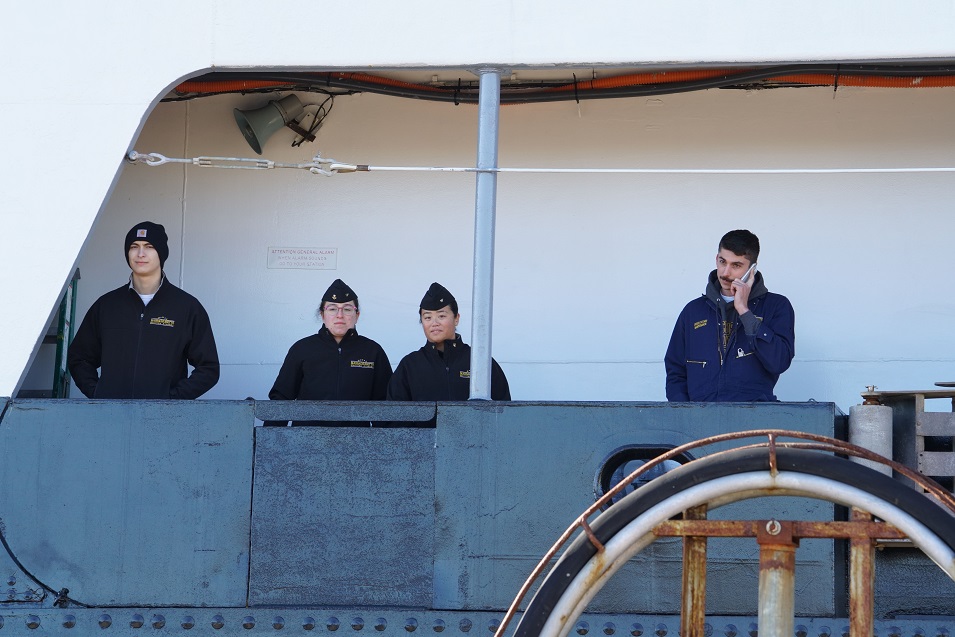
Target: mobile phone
x: 745, y: 277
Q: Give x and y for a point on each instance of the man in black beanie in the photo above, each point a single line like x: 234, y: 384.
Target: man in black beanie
x: 143, y: 335
x: 441, y: 370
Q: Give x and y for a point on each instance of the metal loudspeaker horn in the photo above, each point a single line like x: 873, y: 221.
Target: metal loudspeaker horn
x: 258, y: 125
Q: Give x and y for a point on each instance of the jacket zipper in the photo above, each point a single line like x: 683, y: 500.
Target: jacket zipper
x: 138, y: 354
x: 338, y: 376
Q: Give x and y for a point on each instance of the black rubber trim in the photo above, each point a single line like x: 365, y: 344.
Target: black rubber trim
x: 814, y: 463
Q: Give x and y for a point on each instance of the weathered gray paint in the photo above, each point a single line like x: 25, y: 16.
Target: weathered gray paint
x: 510, y: 479
x: 343, y: 516
x: 152, y: 504
x: 359, y: 412
x: 129, y: 503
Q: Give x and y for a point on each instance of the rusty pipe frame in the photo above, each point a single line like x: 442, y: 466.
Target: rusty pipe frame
x: 639, y: 533
x: 693, y: 601
x: 777, y: 579
x: 817, y: 442
x: 861, y: 581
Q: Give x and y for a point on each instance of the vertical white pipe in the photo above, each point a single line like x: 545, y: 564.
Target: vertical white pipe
x: 485, y: 207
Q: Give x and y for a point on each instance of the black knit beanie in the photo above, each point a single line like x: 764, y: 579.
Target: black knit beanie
x: 152, y: 233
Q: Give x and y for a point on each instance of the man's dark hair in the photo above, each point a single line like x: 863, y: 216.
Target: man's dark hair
x: 741, y: 242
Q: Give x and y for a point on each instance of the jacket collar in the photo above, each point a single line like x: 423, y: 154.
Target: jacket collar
x: 714, y: 293
x: 450, y: 346
x: 325, y: 335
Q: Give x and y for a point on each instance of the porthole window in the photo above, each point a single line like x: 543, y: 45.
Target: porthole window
x: 624, y: 460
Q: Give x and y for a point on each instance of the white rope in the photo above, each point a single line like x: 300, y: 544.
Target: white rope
x: 329, y: 167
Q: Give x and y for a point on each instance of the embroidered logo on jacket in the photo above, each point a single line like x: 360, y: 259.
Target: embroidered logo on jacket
x: 361, y: 362
x: 163, y: 321
x: 699, y: 324
x: 465, y: 373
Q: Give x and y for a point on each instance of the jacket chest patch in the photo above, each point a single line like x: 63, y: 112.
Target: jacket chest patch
x: 162, y: 321
x: 466, y: 373
x: 363, y: 364
x: 700, y: 324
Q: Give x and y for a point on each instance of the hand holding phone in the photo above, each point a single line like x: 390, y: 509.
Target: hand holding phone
x: 751, y: 271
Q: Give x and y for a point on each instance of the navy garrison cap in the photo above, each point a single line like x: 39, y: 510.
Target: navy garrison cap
x: 437, y: 297
x: 339, y: 292
x: 152, y: 233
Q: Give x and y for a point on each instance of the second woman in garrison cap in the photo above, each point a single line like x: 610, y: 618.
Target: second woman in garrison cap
x: 441, y: 370
x: 337, y: 363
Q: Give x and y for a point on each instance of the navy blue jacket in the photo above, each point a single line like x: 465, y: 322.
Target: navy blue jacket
x: 699, y: 368
x: 427, y: 374
x: 141, y: 350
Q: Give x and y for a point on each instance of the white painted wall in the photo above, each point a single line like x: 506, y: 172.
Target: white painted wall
x: 592, y: 270
x: 78, y: 80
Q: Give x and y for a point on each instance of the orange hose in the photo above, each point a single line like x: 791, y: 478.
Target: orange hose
x: 870, y: 81
x: 656, y: 77
x: 387, y: 81
x: 225, y: 86
x: 617, y: 81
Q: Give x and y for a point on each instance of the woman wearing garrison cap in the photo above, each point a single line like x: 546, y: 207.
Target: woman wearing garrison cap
x: 142, y: 335
x: 336, y: 363
x: 441, y: 370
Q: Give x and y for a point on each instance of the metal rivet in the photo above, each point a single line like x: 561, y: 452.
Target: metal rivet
x: 411, y: 624
x: 582, y: 628
x: 845, y: 631
x: 158, y: 621
x: 357, y: 623
x: 69, y: 621
x: 33, y: 622
x: 105, y: 621
x: 753, y: 630
x: 730, y: 630
x: 11, y: 581
x: 12, y: 593
x: 1, y: 621
x: 941, y: 632
x: 332, y: 623
x: 278, y: 623
x: 308, y: 623
x: 661, y: 630
x: 801, y: 631
x: 381, y: 624
x: 636, y: 629
x: 918, y: 632
x: 465, y: 625
x: 707, y: 630
x: 609, y: 628
x: 439, y: 626
x: 218, y: 622
x: 136, y: 621
x: 248, y: 622
x: 188, y: 622
x: 895, y: 631
x: 825, y: 631
x: 493, y: 625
